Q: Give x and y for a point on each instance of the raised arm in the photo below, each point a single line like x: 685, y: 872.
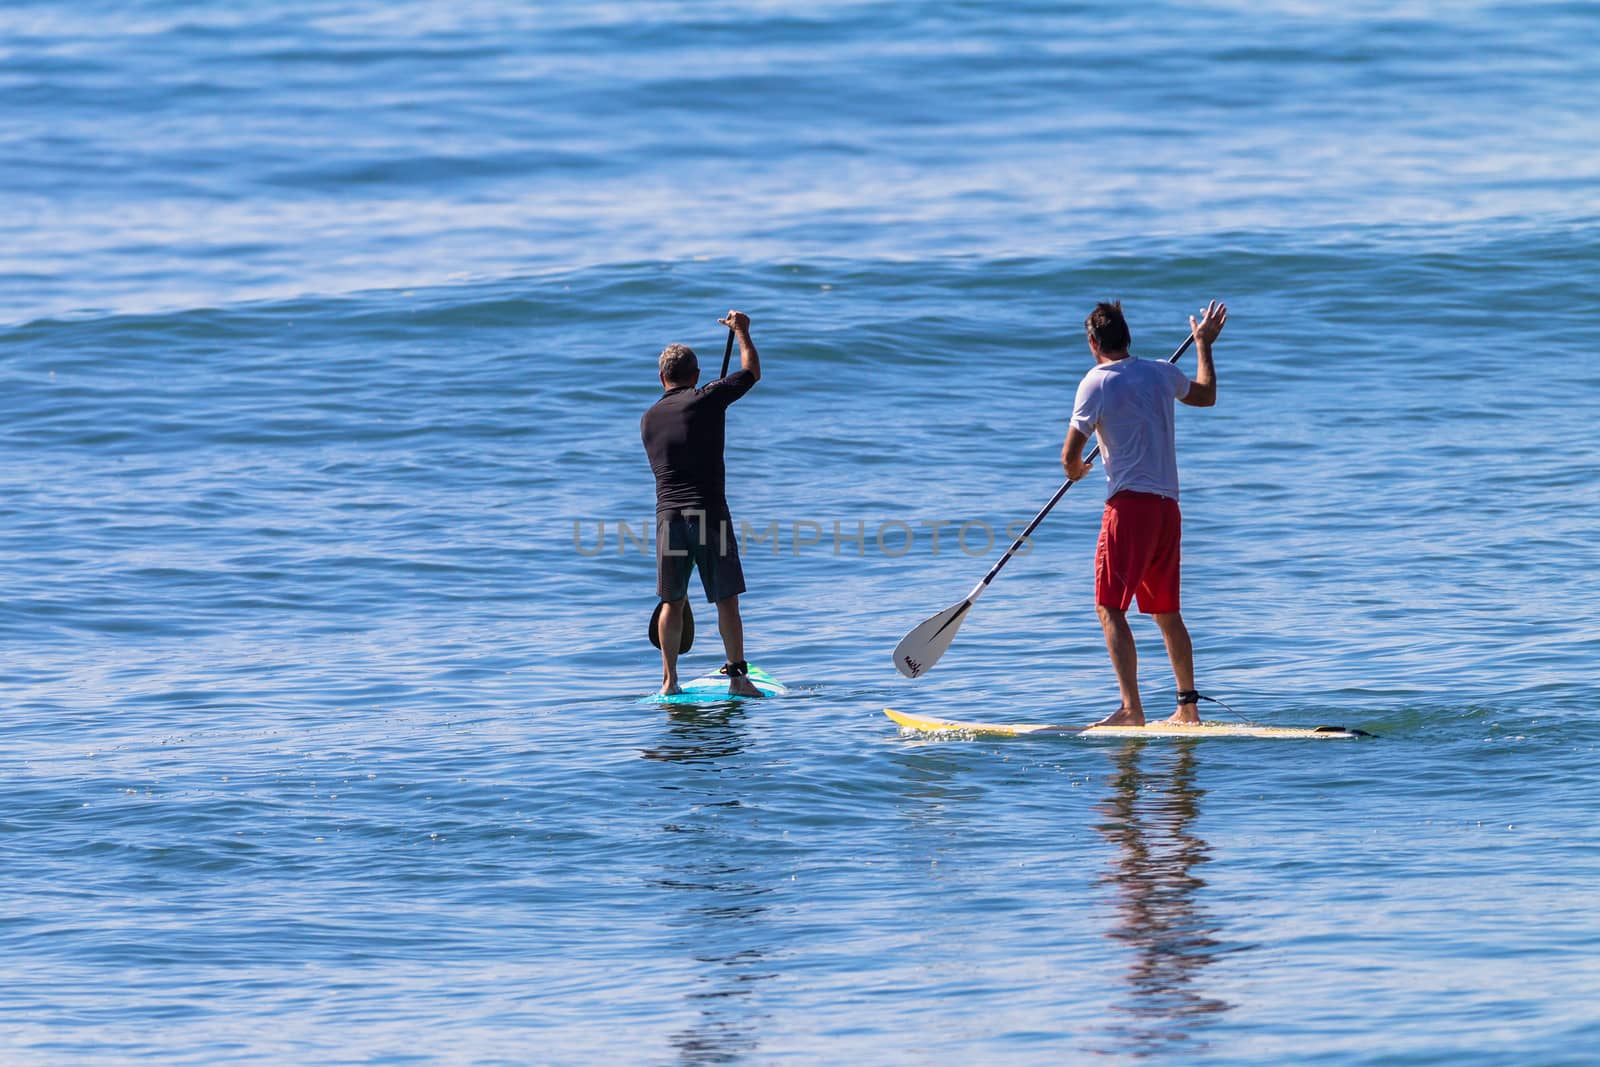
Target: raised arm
x: 1203, y: 390
x: 749, y: 358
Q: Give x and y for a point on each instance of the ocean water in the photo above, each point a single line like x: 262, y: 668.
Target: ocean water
x: 327, y: 326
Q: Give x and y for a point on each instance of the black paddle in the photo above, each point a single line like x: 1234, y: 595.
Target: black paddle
x: 920, y: 649
x: 688, y: 613
x: 687, y: 641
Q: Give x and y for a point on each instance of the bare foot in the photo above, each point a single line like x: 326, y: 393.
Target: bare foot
x: 1186, y: 715
x: 1123, y: 716
x: 670, y: 688
x: 742, y: 687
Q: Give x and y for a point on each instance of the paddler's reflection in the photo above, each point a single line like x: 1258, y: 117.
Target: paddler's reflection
x: 701, y: 733
x: 1160, y: 917
x: 714, y: 885
x: 722, y: 919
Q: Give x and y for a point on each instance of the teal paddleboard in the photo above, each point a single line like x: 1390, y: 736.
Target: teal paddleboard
x: 713, y: 689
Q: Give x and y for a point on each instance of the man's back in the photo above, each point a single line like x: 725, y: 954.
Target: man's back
x: 1128, y: 403
x: 683, y: 435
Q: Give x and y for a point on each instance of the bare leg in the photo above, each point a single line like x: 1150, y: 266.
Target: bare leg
x: 1180, y: 650
x: 669, y: 631
x: 732, y: 628
x: 1125, y: 661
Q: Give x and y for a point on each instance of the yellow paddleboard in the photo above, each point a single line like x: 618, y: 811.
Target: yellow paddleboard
x: 927, y: 724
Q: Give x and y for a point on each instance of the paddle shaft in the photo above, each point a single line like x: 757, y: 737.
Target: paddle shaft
x: 978, y: 589
x: 727, y: 353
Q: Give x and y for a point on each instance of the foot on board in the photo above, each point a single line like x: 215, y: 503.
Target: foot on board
x: 1123, y: 716
x: 739, y: 684
x: 1188, y: 713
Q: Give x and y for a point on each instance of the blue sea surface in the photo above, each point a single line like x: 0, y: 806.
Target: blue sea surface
x: 324, y: 536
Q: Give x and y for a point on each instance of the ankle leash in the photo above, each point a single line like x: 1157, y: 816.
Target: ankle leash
x: 1194, y: 696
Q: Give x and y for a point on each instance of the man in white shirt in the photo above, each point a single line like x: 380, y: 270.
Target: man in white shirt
x: 1127, y: 402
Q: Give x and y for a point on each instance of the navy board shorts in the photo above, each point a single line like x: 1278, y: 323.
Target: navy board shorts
x: 687, y: 540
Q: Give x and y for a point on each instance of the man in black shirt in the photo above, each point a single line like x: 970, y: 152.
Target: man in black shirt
x: 683, y: 435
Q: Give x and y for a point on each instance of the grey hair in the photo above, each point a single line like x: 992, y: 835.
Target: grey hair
x: 678, y: 363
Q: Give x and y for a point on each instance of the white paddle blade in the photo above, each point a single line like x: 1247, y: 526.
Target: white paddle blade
x: 920, y: 649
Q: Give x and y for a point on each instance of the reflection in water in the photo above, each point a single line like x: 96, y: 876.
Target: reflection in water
x: 1147, y: 817
x: 726, y: 1029
x: 716, y: 902
x: 701, y: 734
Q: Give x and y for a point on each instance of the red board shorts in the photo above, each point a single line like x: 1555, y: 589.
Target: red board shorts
x: 1138, y: 553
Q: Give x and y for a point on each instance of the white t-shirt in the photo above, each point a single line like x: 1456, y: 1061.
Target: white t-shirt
x: 1128, y: 403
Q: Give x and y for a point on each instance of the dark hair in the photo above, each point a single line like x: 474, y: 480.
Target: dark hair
x: 1107, y: 327
x: 678, y: 363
